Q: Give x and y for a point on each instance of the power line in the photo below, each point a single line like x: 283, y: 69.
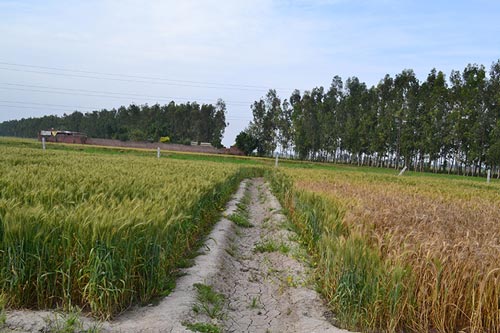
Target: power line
x: 133, y: 80
x: 57, y: 105
x: 135, y: 76
x: 31, y: 107
x: 95, y: 93
x: 108, y: 92
x: 123, y: 80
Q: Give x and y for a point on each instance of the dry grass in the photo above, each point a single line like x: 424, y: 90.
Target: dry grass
x: 433, y: 246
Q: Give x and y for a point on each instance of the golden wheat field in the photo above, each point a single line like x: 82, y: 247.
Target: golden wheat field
x: 419, y: 253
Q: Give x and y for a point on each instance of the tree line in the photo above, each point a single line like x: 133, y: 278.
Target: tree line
x: 182, y: 123
x: 440, y: 124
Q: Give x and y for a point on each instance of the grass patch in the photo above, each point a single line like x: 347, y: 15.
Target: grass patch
x: 68, y: 323
x: 58, y: 323
x: 255, y: 303
x: 240, y: 220
x: 241, y: 216
x: 232, y: 249
x: 3, y: 315
x: 208, y: 301
x: 272, y: 246
x: 202, y: 327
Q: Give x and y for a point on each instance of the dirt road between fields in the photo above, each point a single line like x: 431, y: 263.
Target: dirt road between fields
x: 253, y: 276
x: 267, y: 279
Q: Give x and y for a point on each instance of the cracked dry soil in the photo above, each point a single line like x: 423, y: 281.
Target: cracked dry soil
x: 261, y: 271
x: 269, y: 291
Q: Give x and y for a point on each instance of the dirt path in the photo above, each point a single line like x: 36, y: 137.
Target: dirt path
x: 249, y: 279
x: 265, y: 280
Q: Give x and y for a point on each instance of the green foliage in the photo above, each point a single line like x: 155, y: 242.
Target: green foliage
x: 246, y: 142
x: 189, y: 121
x: 137, y: 135
x: 264, y: 125
x: 438, y: 124
x: 202, y: 327
x: 241, y: 216
x: 272, y: 246
x: 68, y: 323
x: 240, y: 220
x: 209, y: 301
x: 255, y: 303
x: 493, y: 154
x: 3, y: 302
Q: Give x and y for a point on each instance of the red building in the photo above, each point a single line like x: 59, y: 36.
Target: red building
x: 233, y: 150
x: 62, y: 136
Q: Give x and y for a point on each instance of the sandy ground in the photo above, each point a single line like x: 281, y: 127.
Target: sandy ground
x: 263, y: 291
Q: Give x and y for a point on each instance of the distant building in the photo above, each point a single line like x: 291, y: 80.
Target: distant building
x: 233, y: 150
x: 203, y: 144
x: 63, y: 136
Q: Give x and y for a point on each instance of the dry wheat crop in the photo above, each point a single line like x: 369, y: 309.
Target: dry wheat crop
x: 418, y: 253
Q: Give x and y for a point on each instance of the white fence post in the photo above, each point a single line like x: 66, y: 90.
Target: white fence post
x: 158, y: 152
x: 43, y: 142
x: 276, y: 161
x: 402, y: 171
x: 488, y: 177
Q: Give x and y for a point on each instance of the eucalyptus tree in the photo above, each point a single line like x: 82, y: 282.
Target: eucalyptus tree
x: 493, y: 102
x: 284, y: 127
x: 330, y: 125
x: 408, y: 124
x: 350, y: 115
x: 264, y: 125
x: 435, y: 109
x: 469, y: 117
x: 479, y: 124
x: 313, y: 114
x: 299, y: 132
x: 384, y: 142
x: 218, y: 124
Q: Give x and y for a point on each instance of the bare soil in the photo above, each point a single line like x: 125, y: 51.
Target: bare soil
x: 261, y: 272
x: 154, y: 145
x: 269, y: 291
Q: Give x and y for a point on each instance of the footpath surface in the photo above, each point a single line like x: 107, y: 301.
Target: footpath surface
x: 252, y: 276
x: 267, y: 278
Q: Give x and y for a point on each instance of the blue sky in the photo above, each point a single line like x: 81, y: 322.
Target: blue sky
x: 222, y: 47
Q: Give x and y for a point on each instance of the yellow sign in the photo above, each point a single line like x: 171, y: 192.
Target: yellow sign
x: 54, y: 133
